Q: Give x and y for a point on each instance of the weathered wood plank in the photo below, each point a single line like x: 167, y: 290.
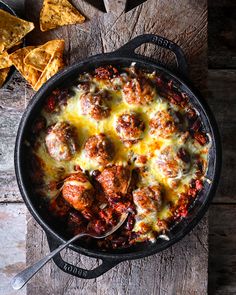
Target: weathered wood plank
x: 222, y: 35
x: 12, y: 105
x: 140, y: 20
x: 9, y: 192
x: 112, y: 7
x: 221, y: 3
x: 183, y: 268
x: 221, y: 97
x: 222, y: 256
x: 12, y: 243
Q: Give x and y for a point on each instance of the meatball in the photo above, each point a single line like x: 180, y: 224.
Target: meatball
x: 78, y: 191
x: 139, y: 91
x: 100, y: 148
x: 174, y: 162
x: 148, y: 199
x: 57, y: 99
x: 106, y: 73
x: 95, y: 105
x: 61, y: 141
x: 163, y: 124
x: 130, y: 128
x: 115, y: 180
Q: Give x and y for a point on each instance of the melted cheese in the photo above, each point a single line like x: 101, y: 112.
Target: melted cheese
x: 148, y: 146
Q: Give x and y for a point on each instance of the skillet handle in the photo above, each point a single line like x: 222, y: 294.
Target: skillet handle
x: 128, y: 49
x: 77, y: 271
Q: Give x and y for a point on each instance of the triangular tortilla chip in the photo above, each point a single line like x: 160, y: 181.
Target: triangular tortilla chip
x: 4, y: 60
x: 29, y: 73
x: 12, y: 29
x: 3, y: 75
x: 55, y: 64
x: 57, y: 13
x: 40, y: 56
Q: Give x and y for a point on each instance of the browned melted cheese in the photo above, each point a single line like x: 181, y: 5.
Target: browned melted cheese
x: 149, y: 146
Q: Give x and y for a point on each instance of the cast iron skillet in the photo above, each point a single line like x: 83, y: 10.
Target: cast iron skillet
x: 121, y: 57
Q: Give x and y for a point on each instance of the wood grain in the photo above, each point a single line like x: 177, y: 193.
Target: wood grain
x: 12, y: 105
x: 222, y: 35
x: 221, y: 97
x: 112, y: 7
x: 222, y: 255
x: 12, y: 235
x: 183, y: 268
x: 222, y: 258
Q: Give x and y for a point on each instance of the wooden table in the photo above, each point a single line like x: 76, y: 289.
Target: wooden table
x: 182, y: 269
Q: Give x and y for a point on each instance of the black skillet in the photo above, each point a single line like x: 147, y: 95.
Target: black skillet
x: 121, y: 57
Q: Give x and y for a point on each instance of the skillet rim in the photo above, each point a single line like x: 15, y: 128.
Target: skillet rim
x: 106, y: 58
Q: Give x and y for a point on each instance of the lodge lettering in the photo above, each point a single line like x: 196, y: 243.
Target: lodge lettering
x: 75, y: 270
x: 162, y: 42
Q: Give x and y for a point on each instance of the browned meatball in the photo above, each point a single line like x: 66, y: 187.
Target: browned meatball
x: 61, y: 141
x: 148, y: 199
x: 163, y: 124
x: 139, y: 91
x: 78, y: 191
x: 174, y: 162
x: 115, y: 180
x: 95, y: 105
x: 100, y: 148
x: 130, y: 127
x: 106, y: 72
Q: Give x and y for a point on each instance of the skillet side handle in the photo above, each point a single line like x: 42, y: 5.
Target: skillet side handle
x: 129, y: 49
x: 77, y: 271
x: 84, y: 273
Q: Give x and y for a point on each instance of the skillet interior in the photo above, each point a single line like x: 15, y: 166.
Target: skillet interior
x: 64, y: 78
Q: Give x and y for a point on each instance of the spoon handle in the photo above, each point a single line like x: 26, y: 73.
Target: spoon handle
x: 24, y: 276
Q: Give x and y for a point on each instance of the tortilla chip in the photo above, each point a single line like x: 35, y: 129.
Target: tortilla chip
x: 29, y: 73
x: 15, y: 47
x: 57, y: 13
x: 3, y: 75
x: 40, y: 56
x: 55, y: 64
x: 4, y: 60
x: 12, y: 29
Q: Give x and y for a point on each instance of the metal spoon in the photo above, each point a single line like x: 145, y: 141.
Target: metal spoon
x: 24, y: 276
